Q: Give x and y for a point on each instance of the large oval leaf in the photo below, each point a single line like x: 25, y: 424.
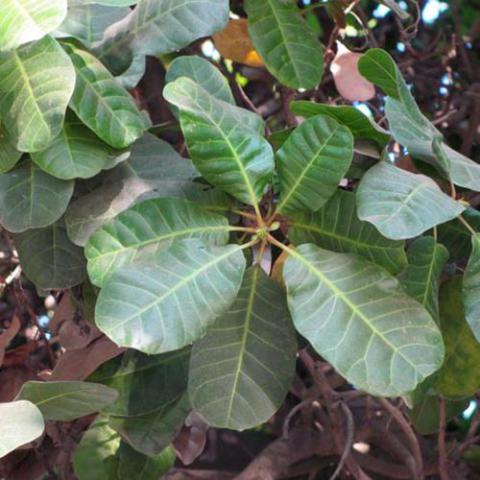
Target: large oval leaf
x: 146, y: 383
x: 153, y: 432
x: 459, y: 375
x: 66, y: 401
x: 456, y: 237
x: 9, y: 155
x: 471, y: 288
x: 36, y: 83
x: 156, y: 27
x: 421, y: 278
x: 202, y: 72
x: 241, y: 370
x: 20, y: 422
x: 153, y: 166
x: 403, y: 204
x: 49, y: 259
x: 229, y: 155
x: 169, y: 302
x: 311, y: 164
x: 134, y: 465
x: 361, y: 126
x: 95, y: 456
x: 87, y: 21
x: 24, y: 21
x: 30, y: 198
x: 285, y: 41
x: 359, y: 319
x: 102, y: 104
x: 148, y: 227
x: 77, y: 153
x: 336, y: 227
x: 410, y: 127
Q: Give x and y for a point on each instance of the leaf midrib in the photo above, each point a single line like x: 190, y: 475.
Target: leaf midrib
x: 162, y: 237
x: 243, y: 341
x: 328, y: 233
x: 172, y: 290
x: 307, y: 168
x: 347, y: 301
x: 238, y: 160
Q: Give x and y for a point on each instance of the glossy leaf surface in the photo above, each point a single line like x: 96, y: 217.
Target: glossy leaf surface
x: 30, y: 198
x: 359, y: 319
x: 148, y: 227
x: 336, y: 227
x: 311, y: 164
x: 241, y: 370
x: 36, y: 84
x: 285, y: 42
x: 402, y: 204
x: 145, y: 306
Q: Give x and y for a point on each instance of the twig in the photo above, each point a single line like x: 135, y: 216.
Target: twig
x: 407, y: 430
x: 442, y: 451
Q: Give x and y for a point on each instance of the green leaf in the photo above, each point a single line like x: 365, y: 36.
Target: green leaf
x: 20, y: 422
x: 36, y: 84
x: 455, y: 236
x: 361, y: 126
x: 150, y: 434
x: 459, y: 375
x: 24, y: 21
x: 49, y: 259
x: 471, y: 288
x: 223, y: 141
x: 77, y: 153
x: 403, y: 204
x: 286, y: 43
x: 157, y: 27
x: 377, y: 66
x: 153, y: 167
x: 30, y: 198
x: 87, y: 22
x: 421, y: 278
x: 241, y: 370
x: 144, y: 306
x: 358, y: 318
x: 146, y: 383
x: 336, y: 227
x: 9, y: 155
x: 311, y: 164
x: 129, y: 78
x: 410, y: 127
x: 66, y: 401
x: 203, y: 73
x: 148, y: 227
x: 136, y: 466
x: 102, y: 104
x: 95, y: 456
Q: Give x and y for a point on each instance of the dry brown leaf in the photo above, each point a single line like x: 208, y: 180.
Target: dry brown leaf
x: 73, y: 330
x: 348, y: 80
x: 8, y: 335
x: 235, y: 43
x: 80, y: 363
x: 190, y: 442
